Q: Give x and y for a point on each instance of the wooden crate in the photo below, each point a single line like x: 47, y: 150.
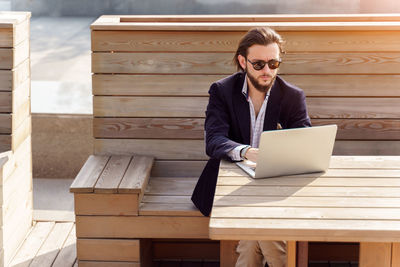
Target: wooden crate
x: 15, y: 132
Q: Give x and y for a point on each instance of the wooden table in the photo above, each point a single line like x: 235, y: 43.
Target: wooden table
x: 356, y: 200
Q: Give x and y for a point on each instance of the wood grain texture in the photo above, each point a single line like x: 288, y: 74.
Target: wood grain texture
x: 178, y: 168
x: 108, y: 249
x: 12, y: 57
x: 347, y: 85
x: 141, y: 227
x: 5, y: 102
x: 159, y: 149
x: 198, y: 85
x: 136, y: 176
x: 159, y: 128
x: 140, y: 41
x: 366, y: 108
x: 6, y: 37
x: 159, y: 63
x: 88, y: 175
x: 291, y: 253
x: 395, y: 254
x: 221, y: 63
x: 375, y: 254
x: 67, y: 255
x: 363, y: 129
x: 347, y: 147
x: 149, y: 106
x: 186, y: 249
x: 105, y: 204
x: 5, y: 123
x: 146, y: 85
x: 112, y: 174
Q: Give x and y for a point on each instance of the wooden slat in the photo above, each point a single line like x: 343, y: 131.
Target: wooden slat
x: 198, y: 85
x: 319, y: 107
x: 221, y: 63
x: 347, y: 147
x: 6, y: 80
x: 171, y: 186
x: 108, y: 264
x: 165, y: 128
x: 364, y: 162
x: 347, y: 85
x: 20, y: 114
x: 52, y: 245
x: 5, y: 102
x: 261, y: 201
x: 167, y: 209
x: 21, y: 94
x: 141, y: 227
x: 6, y: 37
x: 186, y: 249
x: 285, y: 191
x: 205, y: 63
x: 307, y: 213
x: 146, y: 85
x: 113, y: 20
x: 149, y: 106
x: 322, y: 108
x: 108, y: 249
x: 22, y: 30
x: 160, y: 149
x: 67, y: 255
x: 10, y: 58
x: 245, y: 26
x: 137, y: 175
x: 20, y: 134
x: 178, y: 168
x: 88, y: 175
x: 187, y: 128
x: 5, y: 143
x: 375, y: 254
x: 140, y: 41
x: 11, y: 79
x: 311, y: 230
x: 5, y: 123
x: 112, y: 174
x: 32, y: 244
x: 363, y: 129
x: 105, y: 204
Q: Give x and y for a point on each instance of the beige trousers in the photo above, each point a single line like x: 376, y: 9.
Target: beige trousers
x: 253, y: 253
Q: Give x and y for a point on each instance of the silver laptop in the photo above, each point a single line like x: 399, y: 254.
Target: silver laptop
x: 292, y: 151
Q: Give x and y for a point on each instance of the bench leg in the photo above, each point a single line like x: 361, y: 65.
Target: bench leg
x: 291, y: 253
x: 228, y: 254
x: 396, y: 255
x: 146, y: 255
x: 375, y: 254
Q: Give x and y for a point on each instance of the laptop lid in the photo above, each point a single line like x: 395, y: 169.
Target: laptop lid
x: 295, y: 151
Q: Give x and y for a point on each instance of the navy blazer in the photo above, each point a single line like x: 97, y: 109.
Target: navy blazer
x: 227, y: 125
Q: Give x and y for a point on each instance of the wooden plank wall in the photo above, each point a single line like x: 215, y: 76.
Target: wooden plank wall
x: 15, y: 132
x: 150, y: 82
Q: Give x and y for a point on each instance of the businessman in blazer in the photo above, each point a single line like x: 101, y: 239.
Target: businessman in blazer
x: 240, y: 107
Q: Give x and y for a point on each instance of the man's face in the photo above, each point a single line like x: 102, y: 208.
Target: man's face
x: 262, y: 79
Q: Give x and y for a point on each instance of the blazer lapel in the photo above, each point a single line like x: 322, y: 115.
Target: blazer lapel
x: 241, y: 107
x: 273, y: 107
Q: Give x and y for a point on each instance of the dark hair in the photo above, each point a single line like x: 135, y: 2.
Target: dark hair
x: 259, y: 36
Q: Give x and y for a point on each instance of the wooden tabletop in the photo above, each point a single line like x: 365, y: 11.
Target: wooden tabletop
x: 356, y: 200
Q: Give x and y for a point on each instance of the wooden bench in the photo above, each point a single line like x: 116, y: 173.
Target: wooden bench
x: 15, y: 133
x: 151, y: 75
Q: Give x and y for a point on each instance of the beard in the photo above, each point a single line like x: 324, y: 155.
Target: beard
x: 260, y: 87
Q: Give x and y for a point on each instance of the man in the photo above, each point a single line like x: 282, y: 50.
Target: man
x: 240, y: 107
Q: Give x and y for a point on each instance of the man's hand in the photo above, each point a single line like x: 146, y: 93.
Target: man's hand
x: 252, y: 154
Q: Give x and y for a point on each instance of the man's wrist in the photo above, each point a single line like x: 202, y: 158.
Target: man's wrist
x: 243, y: 152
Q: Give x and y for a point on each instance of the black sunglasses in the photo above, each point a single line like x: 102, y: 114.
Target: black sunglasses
x: 260, y: 64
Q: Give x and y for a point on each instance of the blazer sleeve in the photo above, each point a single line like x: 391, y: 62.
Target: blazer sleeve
x: 298, y: 115
x: 217, y: 125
